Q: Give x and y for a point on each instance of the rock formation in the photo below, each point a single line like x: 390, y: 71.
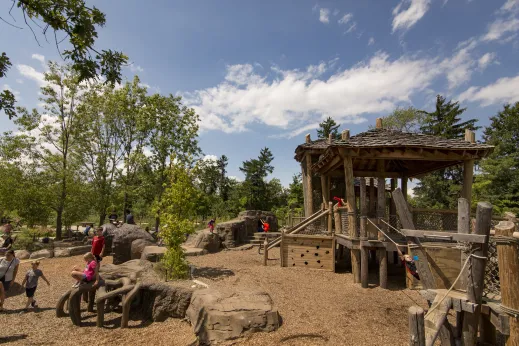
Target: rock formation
x: 122, y: 241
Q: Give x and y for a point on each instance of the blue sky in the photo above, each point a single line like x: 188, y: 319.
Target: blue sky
x: 266, y: 73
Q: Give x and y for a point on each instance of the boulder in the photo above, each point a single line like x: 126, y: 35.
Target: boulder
x: 208, y: 241
x: 160, y: 300
x: 22, y: 254
x: 62, y: 244
x: 217, y: 316
x: 134, y: 269
x: 194, y: 251
x: 62, y: 252
x: 45, y: 253
x: 138, y: 246
x: 153, y: 253
x: 231, y: 233
x: 122, y: 241
x: 79, y: 250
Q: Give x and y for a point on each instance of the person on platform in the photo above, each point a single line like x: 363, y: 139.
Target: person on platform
x: 129, y: 217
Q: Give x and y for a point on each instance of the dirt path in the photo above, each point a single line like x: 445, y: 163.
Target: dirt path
x: 317, y: 308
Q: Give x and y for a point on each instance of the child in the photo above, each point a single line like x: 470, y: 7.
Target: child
x: 211, y: 225
x: 89, y: 274
x: 266, y: 226
x: 98, y: 244
x: 31, y: 279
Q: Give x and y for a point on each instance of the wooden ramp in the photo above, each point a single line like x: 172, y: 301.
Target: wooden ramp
x: 435, y: 322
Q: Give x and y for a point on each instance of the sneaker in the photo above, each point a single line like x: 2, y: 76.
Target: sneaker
x: 34, y: 304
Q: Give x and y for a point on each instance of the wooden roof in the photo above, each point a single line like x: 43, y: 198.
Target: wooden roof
x: 405, y: 154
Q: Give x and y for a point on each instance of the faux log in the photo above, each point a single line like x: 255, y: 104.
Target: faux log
x: 127, y: 302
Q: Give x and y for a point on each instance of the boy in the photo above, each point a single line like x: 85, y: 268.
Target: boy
x: 211, y: 225
x: 98, y: 244
x: 266, y: 226
x: 31, y: 278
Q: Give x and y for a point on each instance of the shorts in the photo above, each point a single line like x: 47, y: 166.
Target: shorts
x: 98, y: 258
x: 6, y: 284
x: 29, y: 292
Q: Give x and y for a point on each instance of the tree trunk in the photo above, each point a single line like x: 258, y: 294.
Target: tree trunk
x: 125, y: 205
x: 59, y: 222
x: 102, y: 217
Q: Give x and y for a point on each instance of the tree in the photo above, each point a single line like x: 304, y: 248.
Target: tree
x: 295, y: 192
x: 499, y: 179
x: 256, y: 170
x: 442, y: 188
x: 78, y: 23
x: 327, y: 127
x: 53, y: 148
x: 403, y: 119
x: 173, y: 131
x: 178, y: 210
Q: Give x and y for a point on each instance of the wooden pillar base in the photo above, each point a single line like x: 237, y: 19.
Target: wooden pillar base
x: 364, y: 267
x: 355, y: 265
x: 383, y: 268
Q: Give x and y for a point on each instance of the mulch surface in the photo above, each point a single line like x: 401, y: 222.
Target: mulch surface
x: 317, y: 307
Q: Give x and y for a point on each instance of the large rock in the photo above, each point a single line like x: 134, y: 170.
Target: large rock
x: 153, y: 253
x: 71, y: 243
x: 22, y: 254
x: 62, y: 252
x: 138, y: 246
x: 45, y: 253
x: 160, y: 300
x: 134, y: 269
x: 208, y: 241
x: 122, y: 241
x: 72, y: 251
x: 226, y: 315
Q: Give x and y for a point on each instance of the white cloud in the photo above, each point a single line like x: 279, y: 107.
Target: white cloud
x: 486, y: 60
x: 501, y: 27
x: 15, y: 92
x: 136, y: 68
x: 352, y: 27
x: 460, y: 66
x: 293, y: 99
x: 39, y: 57
x: 509, y: 5
x: 210, y: 158
x: 345, y: 19
x: 504, y: 90
x: 235, y: 178
x: 19, y: 81
x: 336, y: 12
x: 31, y: 73
x: 406, y: 18
x: 371, y: 41
x: 324, y: 15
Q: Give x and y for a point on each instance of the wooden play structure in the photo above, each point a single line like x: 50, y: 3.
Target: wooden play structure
x: 108, y: 294
x: 462, y: 265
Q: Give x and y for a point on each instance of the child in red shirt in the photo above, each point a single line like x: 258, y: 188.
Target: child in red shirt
x: 98, y: 244
x: 266, y: 226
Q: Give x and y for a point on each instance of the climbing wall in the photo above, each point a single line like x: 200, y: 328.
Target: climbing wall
x: 309, y: 251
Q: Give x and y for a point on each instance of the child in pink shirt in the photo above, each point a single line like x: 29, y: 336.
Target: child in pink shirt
x: 89, y: 274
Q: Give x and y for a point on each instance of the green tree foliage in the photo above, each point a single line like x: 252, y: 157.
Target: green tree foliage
x: 178, y: 207
x: 76, y: 22
x: 255, y: 186
x: 498, y: 181
x: 407, y: 119
x: 441, y: 189
x: 295, y: 192
x: 327, y: 127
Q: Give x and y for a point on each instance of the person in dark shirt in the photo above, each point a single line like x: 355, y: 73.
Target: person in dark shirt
x: 113, y: 216
x: 129, y: 217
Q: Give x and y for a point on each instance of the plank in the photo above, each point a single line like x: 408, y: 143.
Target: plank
x: 469, y: 238
x: 435, y: 320
x: 416, y: 326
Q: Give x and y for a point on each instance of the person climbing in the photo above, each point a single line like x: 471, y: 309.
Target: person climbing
x: 260, y: 225
x: 31, y: 279
x: 87, y: 230
x: 340, y: 201
x: 129, y: 217
x: 98, y: 244
x: 88, y: 274
x: 409, y: 264
x: 8, y: 270
x: 210, y: 224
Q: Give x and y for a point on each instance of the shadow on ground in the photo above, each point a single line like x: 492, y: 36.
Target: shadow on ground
x: 210, y: 273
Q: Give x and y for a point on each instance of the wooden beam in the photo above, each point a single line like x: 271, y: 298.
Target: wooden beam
x: 372, y: 204
x: 363, y: 235
x: 403, y: 186
x: 325, y: 191
x: 376, y: 174
x: 416, y: 326
x: 472, y: 238
x: 412, y: 154
x: 477, y: 273
x: 309, y: 203
x: 381, y: 196
x: 468, y: 177
x: 379, y: 123
x: 307, y: 138
x: 345, y: 135
x: 352, y: 220
x: 463, y: 228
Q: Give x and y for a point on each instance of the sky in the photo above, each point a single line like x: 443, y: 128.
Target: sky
x: 265, y: 73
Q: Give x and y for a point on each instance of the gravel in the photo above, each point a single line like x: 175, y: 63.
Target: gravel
x: 317, y: 307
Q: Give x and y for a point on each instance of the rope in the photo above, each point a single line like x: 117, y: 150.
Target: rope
x: 393, y: 227
x: 454, y: 283
x: 384, y: 233
x: 504, y: 240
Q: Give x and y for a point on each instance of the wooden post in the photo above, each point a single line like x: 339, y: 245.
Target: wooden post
x: 381, y: 198
x: 477, y: 273
x: 309, y: 203
x: 325, y: 190
x: 392, y: 208
x: 330, y: 218
x: 281, y: 250
x: 363, y: 234
x: 338, y: 221
x: 508, y: 256
x: 379, y: 123
x: 463, y: 227
x: 345, y: 135
x: 403, y: 186
x: 266, y: 250
x: 372, y: 206
x: 416, y: 326
x: 352, y: 220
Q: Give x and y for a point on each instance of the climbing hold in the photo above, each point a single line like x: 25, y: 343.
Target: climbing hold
x: 302, y: 255
x: 318, y: 261
x: 306, y: 263
x: 316, y: 254
x: 327, y: 252
x: 317, y: 247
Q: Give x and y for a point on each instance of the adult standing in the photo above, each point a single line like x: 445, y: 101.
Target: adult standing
x: 113, y: 217
x: 8, y: 270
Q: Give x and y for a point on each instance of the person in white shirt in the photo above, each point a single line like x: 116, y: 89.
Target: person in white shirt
x: 8, y: 270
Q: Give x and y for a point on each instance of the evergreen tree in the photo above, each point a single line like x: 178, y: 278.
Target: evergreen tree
x: 295, y: 192
x: 256, y: 170
x: 327, y: 127
x: 499, y: 181
x: 441, y: 189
